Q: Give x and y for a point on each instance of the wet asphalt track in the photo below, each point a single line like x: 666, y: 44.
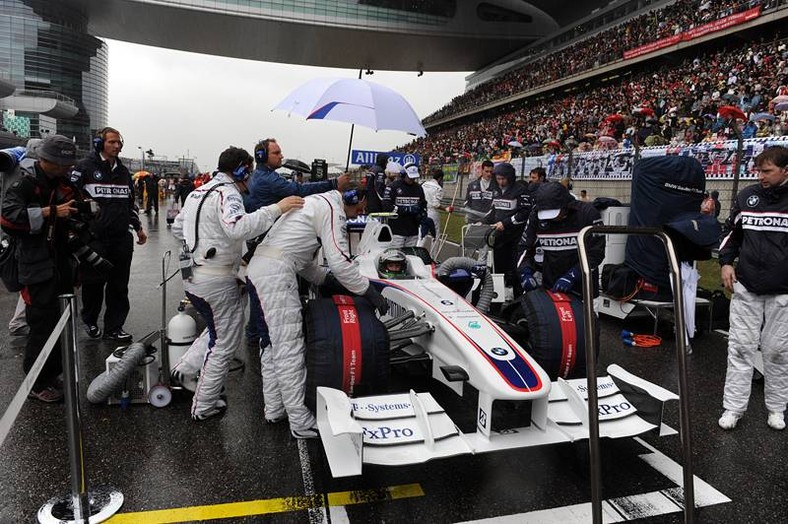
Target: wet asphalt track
x: 160, y: 459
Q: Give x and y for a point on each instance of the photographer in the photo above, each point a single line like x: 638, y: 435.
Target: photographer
x: 102, y: 177
x: 36, y: 212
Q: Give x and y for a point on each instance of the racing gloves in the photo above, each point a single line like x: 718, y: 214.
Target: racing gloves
x: 373, y: 295
x: 567, y: 282
x: 527, y: 280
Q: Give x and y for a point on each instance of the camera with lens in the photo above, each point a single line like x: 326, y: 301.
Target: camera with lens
x: 86, y: 209
x: 80, y: 237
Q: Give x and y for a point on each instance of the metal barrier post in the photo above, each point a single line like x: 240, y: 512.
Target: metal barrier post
x: 68, y: 343
x: 591, y: 350
x: 79, y: 506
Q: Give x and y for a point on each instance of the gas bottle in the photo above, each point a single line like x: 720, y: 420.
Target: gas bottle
x: 181, y: 332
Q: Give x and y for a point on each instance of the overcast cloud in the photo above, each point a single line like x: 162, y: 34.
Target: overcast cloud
x: 182, y: 104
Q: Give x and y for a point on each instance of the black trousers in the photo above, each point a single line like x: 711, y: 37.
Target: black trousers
x: 42, y: 314
x: 153, y: 200
x: 505, y: 258
x: 114, y: 289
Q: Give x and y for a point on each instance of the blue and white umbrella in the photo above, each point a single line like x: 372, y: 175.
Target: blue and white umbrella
x: 354, y: 101
x: 762, y: 116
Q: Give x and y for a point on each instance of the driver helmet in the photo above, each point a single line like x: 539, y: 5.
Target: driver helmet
x: 393, y: 264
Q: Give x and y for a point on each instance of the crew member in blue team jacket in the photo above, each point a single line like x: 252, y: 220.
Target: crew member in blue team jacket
x: 267, y: 187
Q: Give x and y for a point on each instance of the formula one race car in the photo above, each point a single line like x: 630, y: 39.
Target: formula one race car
x: 463, y: 345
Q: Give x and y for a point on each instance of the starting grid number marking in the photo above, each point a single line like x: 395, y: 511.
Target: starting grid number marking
x: 268, y: 506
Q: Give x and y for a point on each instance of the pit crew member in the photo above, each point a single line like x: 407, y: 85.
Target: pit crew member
x: 290, y: 249
x: 757, y: 233
x: 406, y: 198
x: 213, y: 226
x: 511, y: 205
x: 552, y: 228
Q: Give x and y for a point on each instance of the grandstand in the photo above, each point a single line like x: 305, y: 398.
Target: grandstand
x: 654, y: 77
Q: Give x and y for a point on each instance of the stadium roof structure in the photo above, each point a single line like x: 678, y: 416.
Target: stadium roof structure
x: 398, y: 35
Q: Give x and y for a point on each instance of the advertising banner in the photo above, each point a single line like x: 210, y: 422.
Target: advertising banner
x: 695, y: 32
x: 717, y: 159
x: 359, y: 157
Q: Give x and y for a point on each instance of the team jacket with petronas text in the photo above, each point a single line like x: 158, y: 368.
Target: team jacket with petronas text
x: 112, y: 189
x: 757, y: 232
x: 408, y: 201
x: 511, y: 206
x: 478, y: 199
x: 558, y: 241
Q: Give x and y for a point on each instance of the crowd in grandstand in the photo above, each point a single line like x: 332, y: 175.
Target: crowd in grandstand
x: 599, y: 49
x: 682, y: 103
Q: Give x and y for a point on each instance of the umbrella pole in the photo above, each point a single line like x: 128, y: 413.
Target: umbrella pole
x: 737, y: 164
x: 352, y: 128
x: 349, y: 147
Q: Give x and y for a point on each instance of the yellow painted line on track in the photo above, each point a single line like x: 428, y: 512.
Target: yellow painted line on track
x: 268, y: 506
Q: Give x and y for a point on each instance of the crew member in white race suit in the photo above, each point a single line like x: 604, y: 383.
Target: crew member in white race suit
x: 290, y: 248
x: 214, y: 226
x: 757, y: 233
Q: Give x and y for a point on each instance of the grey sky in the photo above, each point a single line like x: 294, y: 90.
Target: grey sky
x: 180, y: 104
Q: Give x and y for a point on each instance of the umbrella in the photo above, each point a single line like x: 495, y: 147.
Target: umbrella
x: 643, y: 111
x: 779, y: 99
x: 548, y: 140
x: 731, y: 112
x: 514, y: 143
x: 354, y: 101
x: 607, y: 142
x: 612, y: 119
x: 140, y: 174
x: 781, y: 106
x: 553, y: 143
x: 762, y: 116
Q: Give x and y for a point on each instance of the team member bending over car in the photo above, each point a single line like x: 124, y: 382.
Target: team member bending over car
x: 757, y: 232
x: 290, y: 249
x: 213, y: 226
x: 553, y: 226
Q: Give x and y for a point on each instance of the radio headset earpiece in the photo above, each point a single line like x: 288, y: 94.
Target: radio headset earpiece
x: 240, y: 173
x: 261, y: 155
x: 352, y: 197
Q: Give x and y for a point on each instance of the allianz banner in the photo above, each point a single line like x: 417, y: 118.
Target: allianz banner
x: 360, y: 157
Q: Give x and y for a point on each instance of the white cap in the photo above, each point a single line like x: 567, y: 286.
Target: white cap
x: 548, y: 214
x: 393, y: 167
x: 412, y: 171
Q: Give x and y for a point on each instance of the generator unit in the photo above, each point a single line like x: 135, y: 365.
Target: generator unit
x: 140, y: 381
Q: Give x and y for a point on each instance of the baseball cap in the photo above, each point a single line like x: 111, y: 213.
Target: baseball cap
x: 58, y: 150
x: 412, y: 170
x: 550, y: 199
x: 393, y: 167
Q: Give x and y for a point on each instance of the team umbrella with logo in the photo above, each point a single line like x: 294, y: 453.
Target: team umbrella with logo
x: 354, y: 101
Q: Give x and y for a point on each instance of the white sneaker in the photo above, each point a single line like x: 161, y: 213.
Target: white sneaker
x: 776, y: 420
x: 729, y: 419
x: 303, y: 434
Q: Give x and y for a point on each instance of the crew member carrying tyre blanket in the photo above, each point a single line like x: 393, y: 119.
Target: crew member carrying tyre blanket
x: 553, y: 226
x: 290, y: 249
x: 757, y: 233
x: 213, y: 227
